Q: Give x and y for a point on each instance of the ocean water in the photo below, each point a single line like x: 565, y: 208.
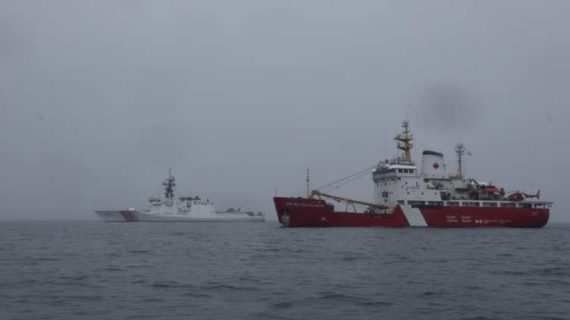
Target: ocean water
x: 97, y: 270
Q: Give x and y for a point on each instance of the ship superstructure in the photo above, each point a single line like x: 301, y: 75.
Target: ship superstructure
x: 405, y: 195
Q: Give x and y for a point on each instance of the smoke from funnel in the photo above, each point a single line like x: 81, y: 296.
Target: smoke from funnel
x: 447, y: 107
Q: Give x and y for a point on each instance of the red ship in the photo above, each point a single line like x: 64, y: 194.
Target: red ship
x: 406, y: 196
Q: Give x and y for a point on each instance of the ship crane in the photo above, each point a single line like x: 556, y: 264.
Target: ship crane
x: 372, y: 207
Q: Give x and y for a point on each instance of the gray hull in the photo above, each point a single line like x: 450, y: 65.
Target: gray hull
x: 136, y: 216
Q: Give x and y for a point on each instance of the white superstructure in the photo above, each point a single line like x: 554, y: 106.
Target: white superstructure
x: 400, y: 182
x: 395, y: 182
x: 169, y: 208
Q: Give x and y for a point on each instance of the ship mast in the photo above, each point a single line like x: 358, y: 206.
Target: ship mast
x: 308, y: 181
x: 404, y: 142
x: 169, y: 185
x: 460, y: 151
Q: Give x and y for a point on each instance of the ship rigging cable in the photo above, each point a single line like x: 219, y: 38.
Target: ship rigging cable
x: 344, y: 181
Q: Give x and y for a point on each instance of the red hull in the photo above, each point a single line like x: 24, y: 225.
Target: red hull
x: 301, y: 212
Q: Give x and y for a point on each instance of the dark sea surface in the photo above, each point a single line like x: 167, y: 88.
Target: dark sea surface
x: 97, y: 270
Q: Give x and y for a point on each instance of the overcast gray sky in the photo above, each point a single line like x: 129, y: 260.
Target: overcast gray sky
x: 99, y: 98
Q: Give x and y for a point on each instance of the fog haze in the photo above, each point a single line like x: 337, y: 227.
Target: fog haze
x: 98, y: 99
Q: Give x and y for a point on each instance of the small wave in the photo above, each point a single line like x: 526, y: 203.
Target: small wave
x: 337, y: 297
x: 74, y: 278
x: 516, y: 273
x: 247, y: 279
x: 46, y: 259
x: 431, y: 293
x: 89, y: 298
x: 113, y: 268
x: 282, y: 305
x: 220, y: 286
x: 473, y: 288
x: 332, y: 295
x: 354, y: 258
x: 532, y: 283
x: 197, y: 295
x: 260, y: 257
x: 139, y: 281
x: 505, y: 255
x: 374, y: 303
x: 553, y: 271
x: 168, y: 284
x: 270, y: 315
x: 20, y: 283
x: 139, y: 251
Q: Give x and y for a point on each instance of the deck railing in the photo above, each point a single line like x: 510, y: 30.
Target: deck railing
x: 480, y: 203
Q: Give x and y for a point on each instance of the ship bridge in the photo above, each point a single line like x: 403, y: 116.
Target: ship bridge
x: 394, y: 170
x: 399, y: 180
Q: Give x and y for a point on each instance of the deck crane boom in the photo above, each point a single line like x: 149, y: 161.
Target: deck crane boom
x: 318, y: 194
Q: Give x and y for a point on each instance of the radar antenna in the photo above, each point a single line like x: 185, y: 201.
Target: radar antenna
x: 404, y: 140
x: 169, y: 185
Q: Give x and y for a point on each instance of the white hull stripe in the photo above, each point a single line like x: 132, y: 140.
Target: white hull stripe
x: 414, y: 216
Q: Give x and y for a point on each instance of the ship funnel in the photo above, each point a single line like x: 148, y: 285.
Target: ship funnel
x: 433, y: 165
